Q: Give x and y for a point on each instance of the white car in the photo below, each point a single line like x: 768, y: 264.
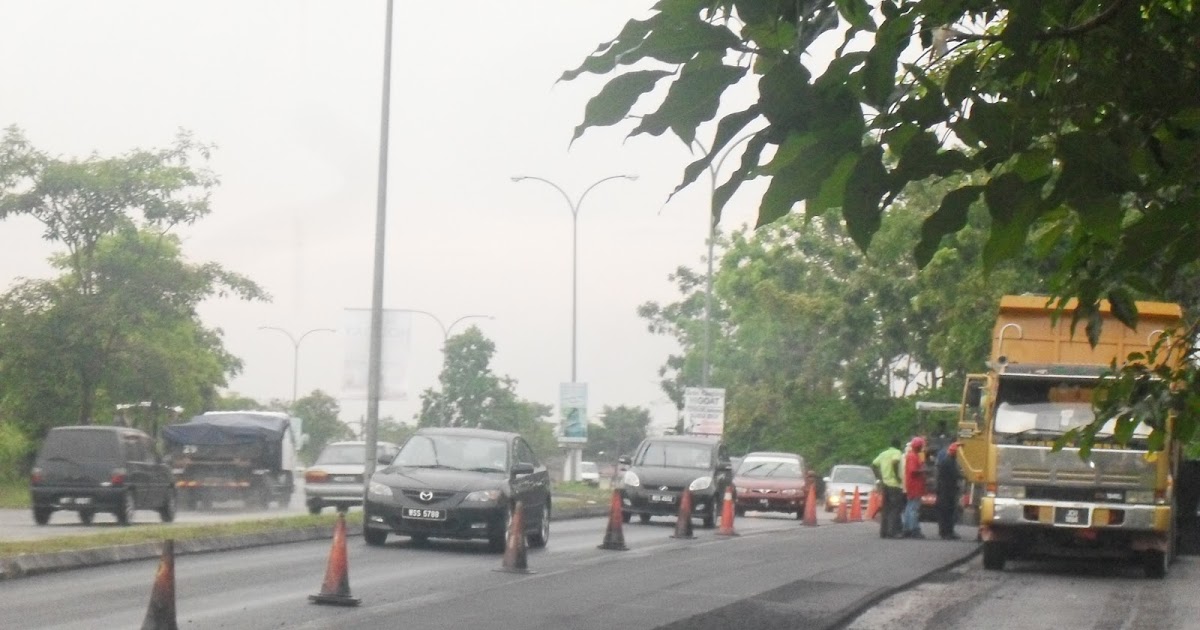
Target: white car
x: 589, y: 473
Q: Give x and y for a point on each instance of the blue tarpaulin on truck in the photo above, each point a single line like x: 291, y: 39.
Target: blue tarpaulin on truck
x: 227, y: 429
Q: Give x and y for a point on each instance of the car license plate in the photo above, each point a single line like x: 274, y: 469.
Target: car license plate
x: 429, y: 515
x: 344, y: 479
x: 75, y: 500
x: 662, y: 498
x: 1071, y: 516
x: 764, y: 501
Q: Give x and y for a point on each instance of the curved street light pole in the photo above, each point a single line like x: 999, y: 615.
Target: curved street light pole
x: 296, y: 341
x: 574, y: 205
x: 713, y: 169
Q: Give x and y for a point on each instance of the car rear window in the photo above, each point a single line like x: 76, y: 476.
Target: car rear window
x: 676, y: 455
x: 81, y: 446
x: 343, y: 454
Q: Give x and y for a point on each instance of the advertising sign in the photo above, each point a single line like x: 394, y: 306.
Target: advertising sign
x: 572, y: 410
x: 393, y: 369
x: 704, y: 410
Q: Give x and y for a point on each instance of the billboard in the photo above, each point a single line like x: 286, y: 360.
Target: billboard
x: 393, y: 366
x: 704, y: 410
x: 572, y: 411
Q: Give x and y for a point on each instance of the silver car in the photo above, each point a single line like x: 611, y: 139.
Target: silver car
x: 845, y: 478
x: 336, y: 478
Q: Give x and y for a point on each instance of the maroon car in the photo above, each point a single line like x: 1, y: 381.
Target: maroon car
x: 770, y: 482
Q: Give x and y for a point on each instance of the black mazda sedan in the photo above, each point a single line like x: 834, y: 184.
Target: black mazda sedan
x: 459, y: 483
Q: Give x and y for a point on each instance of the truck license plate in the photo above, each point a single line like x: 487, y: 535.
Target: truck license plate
x: 1071, y: 516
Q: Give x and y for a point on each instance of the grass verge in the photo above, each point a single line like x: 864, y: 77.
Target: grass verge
x: 14, y: 494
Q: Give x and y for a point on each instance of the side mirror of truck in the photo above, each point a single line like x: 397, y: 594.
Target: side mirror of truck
x: 974, y: 395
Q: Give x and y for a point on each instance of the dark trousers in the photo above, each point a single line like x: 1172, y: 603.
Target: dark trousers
x: 889, y: 518
x: 947, y: 511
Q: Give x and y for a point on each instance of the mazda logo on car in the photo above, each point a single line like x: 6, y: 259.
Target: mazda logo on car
x: 426, y: 495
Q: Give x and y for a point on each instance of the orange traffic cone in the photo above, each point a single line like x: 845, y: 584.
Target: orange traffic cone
x: 614, y: 536
x: 856, y: 507
x: 810, y: 506
x: 873, y: 504
x: 841, y: 513
x: 726, y: 528
x: 683, y: 524
x: 160, y: 615
x: 335, y: 589
x: 514, y: 546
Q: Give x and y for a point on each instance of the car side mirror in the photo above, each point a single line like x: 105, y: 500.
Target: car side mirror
x: 624, y: 459
x: 724, y: 467
x: 384, y: 459
x: 522, y: 468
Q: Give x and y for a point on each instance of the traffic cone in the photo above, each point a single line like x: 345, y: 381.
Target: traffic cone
x: 683, y: 524
x: 873, y: 504
x: 160, y: 615
x: 810, y: 506
x: 856, y: 507
x: 841, y: 513
x: 726, y: 528
x: 514, y: 546
x: 614, y: 536
x: 335, y: 589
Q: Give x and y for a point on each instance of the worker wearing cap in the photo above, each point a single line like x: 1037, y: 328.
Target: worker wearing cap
x: 914, y: 487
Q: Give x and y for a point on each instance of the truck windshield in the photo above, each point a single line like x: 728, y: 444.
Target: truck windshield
x: 1037, y: 408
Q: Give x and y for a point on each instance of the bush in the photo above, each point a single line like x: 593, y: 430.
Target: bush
x: 15, y: 449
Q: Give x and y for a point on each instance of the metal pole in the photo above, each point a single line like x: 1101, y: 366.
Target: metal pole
x: 375, y: 359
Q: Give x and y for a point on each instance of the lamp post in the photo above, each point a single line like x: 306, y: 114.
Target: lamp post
x: 713, y: 169
x: 574, y: 206
x: 445, y: 329
x: 296, y: 351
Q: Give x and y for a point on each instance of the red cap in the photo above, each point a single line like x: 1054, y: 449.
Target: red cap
x: 918, y: 442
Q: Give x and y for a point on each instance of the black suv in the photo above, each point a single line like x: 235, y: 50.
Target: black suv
x: 90, y: 469
x: 459, y: 483
x: 663, y: 467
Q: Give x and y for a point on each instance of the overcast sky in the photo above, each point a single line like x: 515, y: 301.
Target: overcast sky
x: 289, y: 91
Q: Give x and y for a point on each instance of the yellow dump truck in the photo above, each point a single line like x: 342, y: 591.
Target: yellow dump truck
x: 1031, y: 500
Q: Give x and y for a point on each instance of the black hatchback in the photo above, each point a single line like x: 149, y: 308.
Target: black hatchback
x: 90, y: 469
x: 459, y: 483
x: 663, y: 467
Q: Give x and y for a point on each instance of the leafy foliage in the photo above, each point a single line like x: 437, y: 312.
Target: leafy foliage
x: 319, y: 411
x: 621, y: 429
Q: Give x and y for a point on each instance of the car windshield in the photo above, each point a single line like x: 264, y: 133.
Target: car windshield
x: 770, y: 468
x: 344, y: 454
x: 81, y: 446
x: 676, y: 455
x: 855, y: 474
x: 454, y: 451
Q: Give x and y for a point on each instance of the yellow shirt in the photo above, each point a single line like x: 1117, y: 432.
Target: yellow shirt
x: 887, y: 463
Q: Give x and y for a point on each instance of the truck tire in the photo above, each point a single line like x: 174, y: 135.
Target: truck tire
x: 41, y: 516
x: 994, y: 556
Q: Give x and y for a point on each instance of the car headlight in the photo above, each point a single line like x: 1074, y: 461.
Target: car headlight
x: 481, y: 496
x: 789, y: 492
x: 700, y: 483
x: 1010, y: 492
x: 1139, y: 496
x: 631, y: 479
x: 377, y: 489
x: 739, y: 490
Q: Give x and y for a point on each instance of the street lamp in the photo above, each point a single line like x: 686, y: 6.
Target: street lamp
x: 296, y: 351
x: 574, y: 205
x: 445, y: 329
x: 713, y: 169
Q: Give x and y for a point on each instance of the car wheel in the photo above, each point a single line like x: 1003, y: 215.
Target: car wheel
x: 710, y: 518
x: 644, y: 518
x: 167, y: 511
x: 41, y: 516
x: 993, y: 556
x: 626, y: 517
x: 85, y: 517
x: 539, y: 540
x: 739, y: 511
x: 375, y: 537
x: 498, y: 538
x: 314, y: 507
x: 125, y: 513
x: 418, y: 540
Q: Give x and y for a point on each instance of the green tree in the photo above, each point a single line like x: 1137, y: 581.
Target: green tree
x: 471, y: 395
x: 120, y: 324
x: 320, y: 411
x: 620, y: 430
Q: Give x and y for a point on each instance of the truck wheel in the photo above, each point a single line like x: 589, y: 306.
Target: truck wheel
x: 626, y: 516
x: 41, y: 516
x: 314, y: 507
x: 993, y: 556
x: 1156, y: 563
x: 85, y: 517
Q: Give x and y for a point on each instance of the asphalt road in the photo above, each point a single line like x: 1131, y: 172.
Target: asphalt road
x: 1028, y: 595
x: 775, y: 574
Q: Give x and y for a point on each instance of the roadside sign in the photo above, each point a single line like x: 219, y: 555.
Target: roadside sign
x: 704, y: 410
x: 572, y: 409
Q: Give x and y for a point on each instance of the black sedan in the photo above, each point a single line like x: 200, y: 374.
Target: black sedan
x: 459, y: 483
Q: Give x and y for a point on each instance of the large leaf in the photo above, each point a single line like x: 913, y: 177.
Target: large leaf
x: 786, y: 95
x: 950, y: 217
x: 1013, y: 204
x: 879, y: 73
x: 745, y: 170
x: 692, y: 99
x: 607, y: 56
x: 729, y: 127
x: 617, y: 98
x: 867, y: 185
